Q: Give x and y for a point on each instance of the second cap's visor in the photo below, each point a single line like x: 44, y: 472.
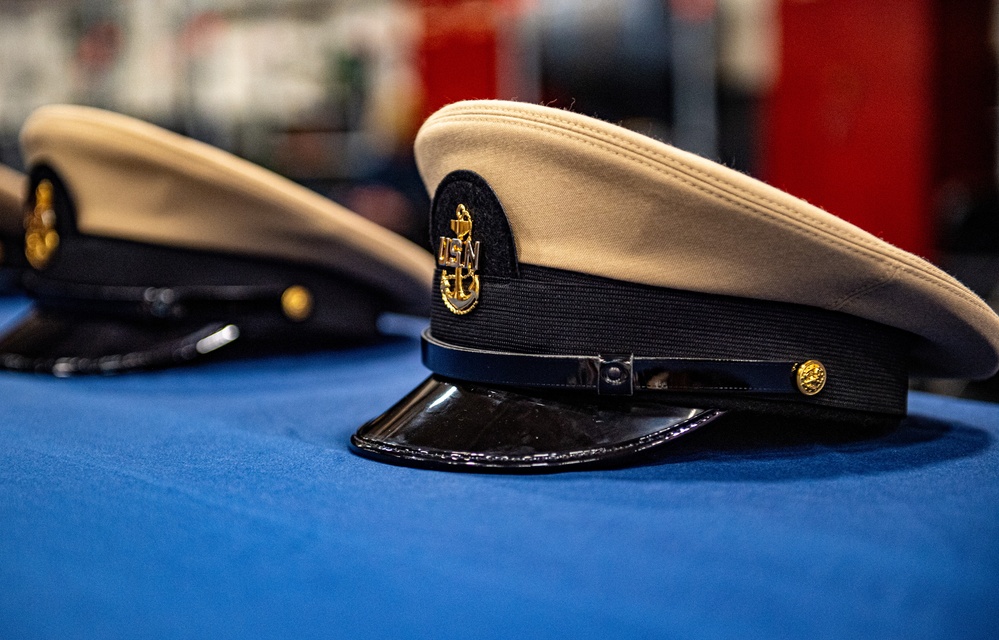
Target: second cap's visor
x: 452, y: 424
x: 66, y: 343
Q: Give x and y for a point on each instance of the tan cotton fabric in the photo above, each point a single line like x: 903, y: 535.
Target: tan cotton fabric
x: 12, y: 186
x: 588, y: 196
x: 135, y: 181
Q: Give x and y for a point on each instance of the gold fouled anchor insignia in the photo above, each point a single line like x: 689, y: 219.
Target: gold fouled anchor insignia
x: 40, y: 236
x: 459, y: 290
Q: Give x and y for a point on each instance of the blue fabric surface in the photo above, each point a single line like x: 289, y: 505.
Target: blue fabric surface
x: 222, y: 501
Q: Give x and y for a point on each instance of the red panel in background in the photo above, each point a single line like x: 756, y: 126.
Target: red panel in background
x: 848, y: 126
x: 458, y: 51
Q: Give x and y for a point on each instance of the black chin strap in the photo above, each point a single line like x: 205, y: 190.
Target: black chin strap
x: 608, y: 374
x: 152, y: 302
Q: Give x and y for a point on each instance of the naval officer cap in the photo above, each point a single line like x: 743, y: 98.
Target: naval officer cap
x: 599, y: 293
x: 147, y: 249
x: 12, y: 188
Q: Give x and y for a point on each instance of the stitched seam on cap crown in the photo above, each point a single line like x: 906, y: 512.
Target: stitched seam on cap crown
x: 863, y: 250
x: 606, y: 137
x: 866, y: 289
x: 643, y: 151
x: 830, y: 234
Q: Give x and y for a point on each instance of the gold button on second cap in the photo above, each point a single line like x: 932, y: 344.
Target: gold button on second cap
x: 296, y: 302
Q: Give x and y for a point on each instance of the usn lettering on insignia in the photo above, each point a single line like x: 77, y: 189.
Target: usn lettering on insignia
x: 459, y: 289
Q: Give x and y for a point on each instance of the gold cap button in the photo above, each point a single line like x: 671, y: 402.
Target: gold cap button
x: 811, y: 377
x: 296, y: 302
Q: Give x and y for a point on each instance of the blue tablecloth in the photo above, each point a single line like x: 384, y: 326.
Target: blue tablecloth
x: 222, y: 501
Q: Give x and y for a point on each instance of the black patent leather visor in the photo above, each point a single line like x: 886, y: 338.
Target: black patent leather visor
x: 66, y: 343
x: 457, y: 425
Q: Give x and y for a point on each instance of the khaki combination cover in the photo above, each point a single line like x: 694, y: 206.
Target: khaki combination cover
x: 586, y: 270
x: 149, y: 249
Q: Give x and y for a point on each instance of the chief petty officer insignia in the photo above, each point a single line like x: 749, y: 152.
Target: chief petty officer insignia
x: 146, y: 249
x: 40, y: 236
x: 459, y: 253
x: 595, y: 344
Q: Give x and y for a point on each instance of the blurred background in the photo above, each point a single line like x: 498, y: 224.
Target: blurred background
x: 882, y: 112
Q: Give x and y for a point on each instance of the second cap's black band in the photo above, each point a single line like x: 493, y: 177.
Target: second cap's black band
x: 607, y: 374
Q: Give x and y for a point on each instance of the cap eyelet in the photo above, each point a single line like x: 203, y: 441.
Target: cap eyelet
x: 614, y: 375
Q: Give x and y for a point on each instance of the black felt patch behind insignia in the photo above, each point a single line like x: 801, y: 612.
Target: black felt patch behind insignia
x: 63, y: 203
x: 498, y: 253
